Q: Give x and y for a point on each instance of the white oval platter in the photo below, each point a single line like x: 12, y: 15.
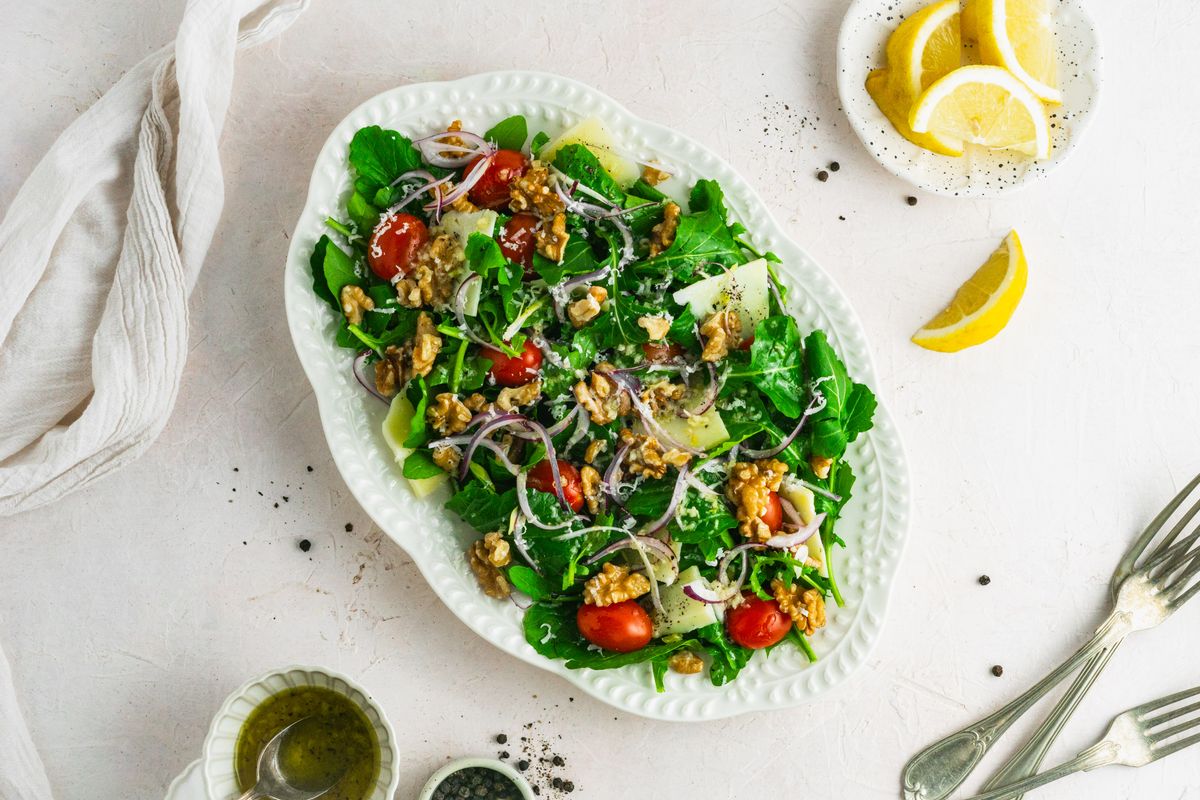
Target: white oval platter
x: 876, y: 520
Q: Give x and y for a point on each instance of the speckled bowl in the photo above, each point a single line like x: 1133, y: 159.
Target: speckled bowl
x: 467, y: 763
x: 219, y: 745
x: 979, y: 173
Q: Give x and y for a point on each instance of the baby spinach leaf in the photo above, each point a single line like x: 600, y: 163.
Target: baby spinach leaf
x: 509, y: 133
x: 379, y: 156
x: 364, y: 215
x: 578, y: 162
x: 482, y: 507
x: 419, y: 464
x: 483, y: 254
x: 332, y: 269
x: 775, y: 366
x: 536, y: 586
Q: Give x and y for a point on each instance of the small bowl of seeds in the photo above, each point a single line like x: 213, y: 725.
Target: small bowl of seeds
x: 476, y: 779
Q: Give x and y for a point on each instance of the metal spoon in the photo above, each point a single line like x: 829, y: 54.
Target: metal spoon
x: 273, y: 784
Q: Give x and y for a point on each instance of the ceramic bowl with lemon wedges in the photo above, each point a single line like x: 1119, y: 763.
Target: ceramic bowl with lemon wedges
x: 971, y: 98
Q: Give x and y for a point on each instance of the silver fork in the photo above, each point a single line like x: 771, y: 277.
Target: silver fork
x: 1145, y: 594
x: 1134, y: 739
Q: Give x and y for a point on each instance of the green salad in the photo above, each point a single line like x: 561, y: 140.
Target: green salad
x: 599, y: 366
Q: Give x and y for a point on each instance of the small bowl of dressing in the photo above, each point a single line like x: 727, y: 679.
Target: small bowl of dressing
x: 476, y: 779
x: 350, y: 727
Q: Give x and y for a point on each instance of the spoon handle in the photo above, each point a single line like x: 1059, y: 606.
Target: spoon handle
x: 252, y: 794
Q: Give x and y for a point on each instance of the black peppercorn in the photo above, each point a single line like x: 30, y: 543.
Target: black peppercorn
x: 997, y: 670
x: 834, y: 166
x: 522, y: 765
x: 912, y: 201
x: 984, y: 580
x: 557, y: 761
x: 305, y: 545
x: 822, y: 176
x: 501, y: 738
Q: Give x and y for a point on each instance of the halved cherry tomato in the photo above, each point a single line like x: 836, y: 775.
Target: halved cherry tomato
x: 745, y: 345
x: 757, y: 623
x: 621, y: 627
x: 491, y: 191
x: 514, y: 370
x: 394, y: 244
x: 661, y: 352
x: 517, y: 240
x: 541, y: 477
x: 772, y: 515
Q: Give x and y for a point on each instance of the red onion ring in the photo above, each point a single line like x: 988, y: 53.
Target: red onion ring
x: 790, y: 540
x: 468, y: 182
x: 360, y: 362
x: 741, y: 549
x: 613, y: 474
x: 566, y: 537
x: 495, y: 424
x: 432, y: 185
x: 700, y: 486
x: 814, y: 405
x: 517, y: 523
x: 654, y: 598
x: 582, y: 425
x: 501, y: 456
x: 432, y: 148
x: 700, y: 590
x: 710, y: 394
x: 673, y: 506
x: 648, y: 417
x: 837, y: 498
x: 660, y: 548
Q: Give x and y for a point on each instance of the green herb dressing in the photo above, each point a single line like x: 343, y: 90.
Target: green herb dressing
x: 338, y: 738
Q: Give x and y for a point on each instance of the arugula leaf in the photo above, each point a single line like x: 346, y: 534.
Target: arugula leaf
x: 483, y: 254
x: 419, y: 464
x: 849, y: 406
x: 509, y: 133
x: 705, y: 235
x: 728, y: 659
x: 702, y: 519
x: 526, y: 580
x: 364, y: 215
x: 578, y: 162
x: 379, y: 156
x: 539, y: 141
x: 418, y: 395
x: 482, y: 508
x: 578, y: 259
x: 332, y: 269
x: 775, y: 366
x: 643, y: 189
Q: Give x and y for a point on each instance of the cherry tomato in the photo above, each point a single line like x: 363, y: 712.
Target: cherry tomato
x: 514, y: 370
x: 491, y: 191
x: 772, y: 515
x: 517, y: 240
x: 541, y: 477
x: 621, y: 627
x: 394, y: 244
x: 660, y: 352
x: 757, y: 623
x: 745, y: 345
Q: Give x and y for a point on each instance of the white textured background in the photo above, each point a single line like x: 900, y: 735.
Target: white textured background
x: 130, y: 610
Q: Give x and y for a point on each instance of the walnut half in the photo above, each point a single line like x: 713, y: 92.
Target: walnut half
x: 615, y: 584
x: 806, y: 607
x: 486, y: 557
x: 749, y: 487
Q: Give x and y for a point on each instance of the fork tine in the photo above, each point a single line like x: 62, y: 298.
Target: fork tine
x: 1145, y: 708
x: 1174, y: 730
x: 1190, y: 569
x: 1154, y: 722
x: 1180, y: 599
x: 1171, y: 554
x: 1136, y: 549
x: 1160, y: 750
x: 1179, y: 526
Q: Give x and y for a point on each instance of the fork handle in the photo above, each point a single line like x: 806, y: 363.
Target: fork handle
x: 1097, y: 755
x: 1027, y: 760
x: 939, y: 769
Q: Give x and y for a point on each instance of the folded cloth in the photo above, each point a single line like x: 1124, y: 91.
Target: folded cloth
x: 98, y: 254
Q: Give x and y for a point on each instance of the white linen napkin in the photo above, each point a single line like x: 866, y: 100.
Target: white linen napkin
x: 98, y: 253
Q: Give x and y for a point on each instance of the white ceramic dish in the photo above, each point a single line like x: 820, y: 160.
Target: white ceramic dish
x: 189, y: 785
x: 219, y: 745
x: 979, y: 173
x: 436, y: 779
x: 875, y: 524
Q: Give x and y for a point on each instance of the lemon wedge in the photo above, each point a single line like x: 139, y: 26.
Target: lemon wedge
x: 983, y: 305
x: 982, y: 105
x: 1019, y: 36
x: 922, y: 49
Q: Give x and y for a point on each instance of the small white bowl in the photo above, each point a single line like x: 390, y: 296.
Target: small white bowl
x: 467, y: 763
x: 221, y: 742
x: 979, y: 173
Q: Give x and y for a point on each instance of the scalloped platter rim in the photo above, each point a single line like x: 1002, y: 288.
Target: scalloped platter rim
x: 875, y: 524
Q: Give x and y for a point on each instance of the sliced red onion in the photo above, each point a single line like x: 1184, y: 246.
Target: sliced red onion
x: 548, y: 352
x: 710, y: 394
x: 460, y: 312
x: 468, y: 181
x: 582, y: 425
x: 701, y: 591
x: 660, y: 548
x: 561, y: 425
x: 837, y: 498
x: 742, y: 550
x: 432, y: 148
x: 360, y: 364
x: 523, y: 502
x: 612, y: 475
x: 648, y: 417
x: 790, y: 540
x: 589, y: 277
x: 791, y: 517
x: 551, y: 456
x: 423, y: 174
x: 673, y: 506
x: 589, y: 210
x: 814, y: 405
x: 641, y: 551
x: 516, y: 524
x: 495, y: 424
x: 701, y: 486
x: 432, y: 186
x: 501, y: 456
x: 620, y: 212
